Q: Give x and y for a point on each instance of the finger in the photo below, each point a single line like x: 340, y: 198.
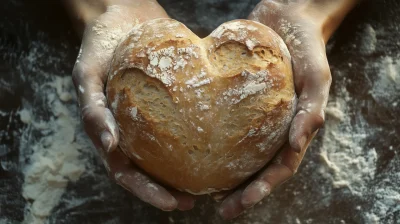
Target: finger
x: 185, y: 201
x: 89, y: 77
x: 262, y: 187
x: 312, y: 81
x: 258, y: 189
x: 145, y: 189
x: 91, y: 70
x: 232, y: 207
x: 283, y: 167
x: 135, y: 181
x: 98, y: 120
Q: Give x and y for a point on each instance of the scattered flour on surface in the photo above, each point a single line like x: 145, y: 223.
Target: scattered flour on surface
x: 349, y: 163
x: 53, y: 146
x: 385, y: 80
x: 368, y: 41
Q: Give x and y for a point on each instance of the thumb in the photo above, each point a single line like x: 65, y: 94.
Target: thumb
x: 98, y: 120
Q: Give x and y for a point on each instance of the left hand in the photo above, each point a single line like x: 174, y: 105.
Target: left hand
x: 305, y: 30
x: 103, y: 31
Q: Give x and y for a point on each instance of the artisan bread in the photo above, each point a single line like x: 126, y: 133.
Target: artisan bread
x: 201, y: 115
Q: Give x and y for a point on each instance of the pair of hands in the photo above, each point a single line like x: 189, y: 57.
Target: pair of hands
x: 305, y: 38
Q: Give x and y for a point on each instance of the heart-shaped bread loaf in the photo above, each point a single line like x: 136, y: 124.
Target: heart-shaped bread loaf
x: 201, y: 115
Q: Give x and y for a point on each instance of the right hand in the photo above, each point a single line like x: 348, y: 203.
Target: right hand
x: 101, y: 36
x: 305, y: 26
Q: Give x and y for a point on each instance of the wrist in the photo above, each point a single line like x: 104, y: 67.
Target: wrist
x: 83, y: 12
x: 322, y: 17
x: 328, y: 14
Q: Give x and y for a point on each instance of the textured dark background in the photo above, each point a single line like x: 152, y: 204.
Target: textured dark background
x: 25, y: 21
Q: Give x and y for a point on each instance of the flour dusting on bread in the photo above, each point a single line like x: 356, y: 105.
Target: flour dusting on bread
x: 201, y: 115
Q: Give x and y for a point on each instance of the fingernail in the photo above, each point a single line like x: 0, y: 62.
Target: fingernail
x: 221, y: 212
x: 255, y: 193
x: 184, y: 206
x: 106, y: 141
x: 231, y: 207
x: 226, y: 213
x: 168, y: 206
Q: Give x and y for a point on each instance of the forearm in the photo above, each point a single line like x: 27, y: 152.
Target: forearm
x: 329, y: 13
x: 83, y: 12
x: 324, y: 16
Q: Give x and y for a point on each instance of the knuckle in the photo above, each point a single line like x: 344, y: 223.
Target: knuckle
x: 291, y: 169
x: 317, y: 77
x: 314, y: 75
x: 326, y: 74
x: 293, y: 172
x: 77, y: 74
x: 89, y: 116
x: 323, y: 67
x: 117, y: 176
x: 322, y: 73
x: 313, y: 117
x: 318, y: 120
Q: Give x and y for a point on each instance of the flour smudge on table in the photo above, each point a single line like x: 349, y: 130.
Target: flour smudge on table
x: 52, y: 140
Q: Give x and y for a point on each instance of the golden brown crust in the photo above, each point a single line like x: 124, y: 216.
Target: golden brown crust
x: 201, y: 115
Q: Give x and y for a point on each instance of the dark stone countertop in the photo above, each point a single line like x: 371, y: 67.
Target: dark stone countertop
x: 309, y: 197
